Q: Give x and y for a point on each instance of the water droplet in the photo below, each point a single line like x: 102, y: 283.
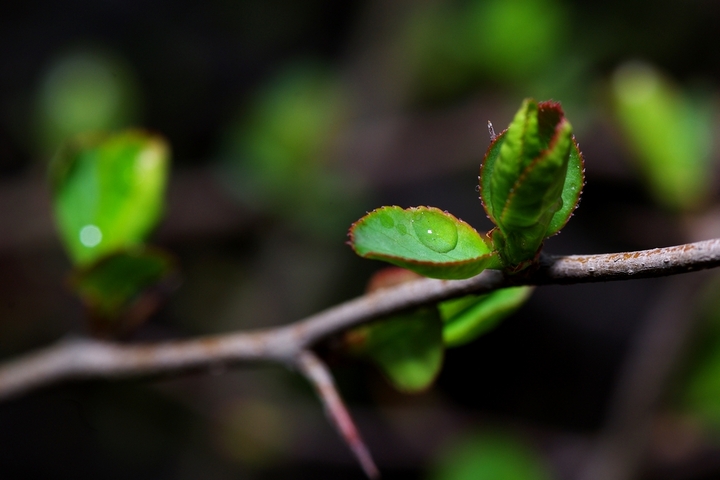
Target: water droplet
x: 90, y: 236
x: 477, y: 188
x: 402, y: 229
x: 386, y: 221
x: 435, y: 231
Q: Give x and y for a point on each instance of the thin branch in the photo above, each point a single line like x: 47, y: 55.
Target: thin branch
x: 87, y: 358
x: 319, y: 375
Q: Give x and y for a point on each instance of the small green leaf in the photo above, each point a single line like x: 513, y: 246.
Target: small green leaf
x: 108, y: 192
x: 425, y: 240
x: 113, y: 287
x: 531, y: 180
x: 407, y: 348
x: 467, y: 318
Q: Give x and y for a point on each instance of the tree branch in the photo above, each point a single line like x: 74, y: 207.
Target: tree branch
x: 79, y: 359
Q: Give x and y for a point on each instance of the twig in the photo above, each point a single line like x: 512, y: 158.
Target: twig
x: 89, y: 358
x: 318, y: 374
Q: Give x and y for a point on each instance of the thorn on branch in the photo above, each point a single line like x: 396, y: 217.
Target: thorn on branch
x: 320, y: 377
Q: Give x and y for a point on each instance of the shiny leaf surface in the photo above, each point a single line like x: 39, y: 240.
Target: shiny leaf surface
x: 531, y: 179
x: 425, y: 240
x: 108, y: 192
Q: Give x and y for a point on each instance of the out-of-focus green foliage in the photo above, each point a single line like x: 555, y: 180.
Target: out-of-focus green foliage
x: 113, y: 288
x: 514, y: 38
x: 531, y: 180
x: 280, y: 154
x: 85, y: 91
x: 670, y: 133
x: 425, y: 240
x: 451, y: 46
x: 407, y: 348
x: 467, y: 318
x: 108, y: 192
x: 489, y: 456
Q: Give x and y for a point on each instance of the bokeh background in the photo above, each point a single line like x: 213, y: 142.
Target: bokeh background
x: 289, y: 120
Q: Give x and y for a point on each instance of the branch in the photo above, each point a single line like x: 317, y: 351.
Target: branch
x: 80, y: 359
x: 318, y: 374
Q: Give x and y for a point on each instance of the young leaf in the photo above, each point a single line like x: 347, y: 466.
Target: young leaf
x: 425, y: 240
x: 108, y: 192
x: 467, y: 318
x: 117, y: 289
x: 531, y: 180
x: 407, y: 348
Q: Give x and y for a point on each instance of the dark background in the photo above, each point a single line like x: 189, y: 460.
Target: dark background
x: 409, y: 135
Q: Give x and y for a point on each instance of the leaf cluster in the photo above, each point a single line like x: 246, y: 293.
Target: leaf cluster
x: 530, y: 184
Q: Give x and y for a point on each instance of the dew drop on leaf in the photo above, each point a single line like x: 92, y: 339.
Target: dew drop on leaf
x: 387, y: 222
x: 435, y: 231
x: 402, y: 229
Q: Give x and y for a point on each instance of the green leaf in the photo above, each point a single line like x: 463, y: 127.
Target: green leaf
x: 407, y: 348
x: 670, y: 133
x: 108, y: 192
x: 113, y: 287
x: 425, y: 240
x: 489, y: 456
x: 531, y: 180
x: 467, y: 318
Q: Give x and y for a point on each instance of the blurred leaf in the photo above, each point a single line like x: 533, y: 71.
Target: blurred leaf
x: 489, y: 456
x: 425, y: 240
x: 701, y: 394
x: 108, y: 191
x: 528, y: 185
x: 514, y: 39
x: 114, y: 288
x: 450, y: 47
x: 670, y: 135
x: 85, y: 91
x: 467, y: 318
x: 281, y: 152
x: 407, y: 348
